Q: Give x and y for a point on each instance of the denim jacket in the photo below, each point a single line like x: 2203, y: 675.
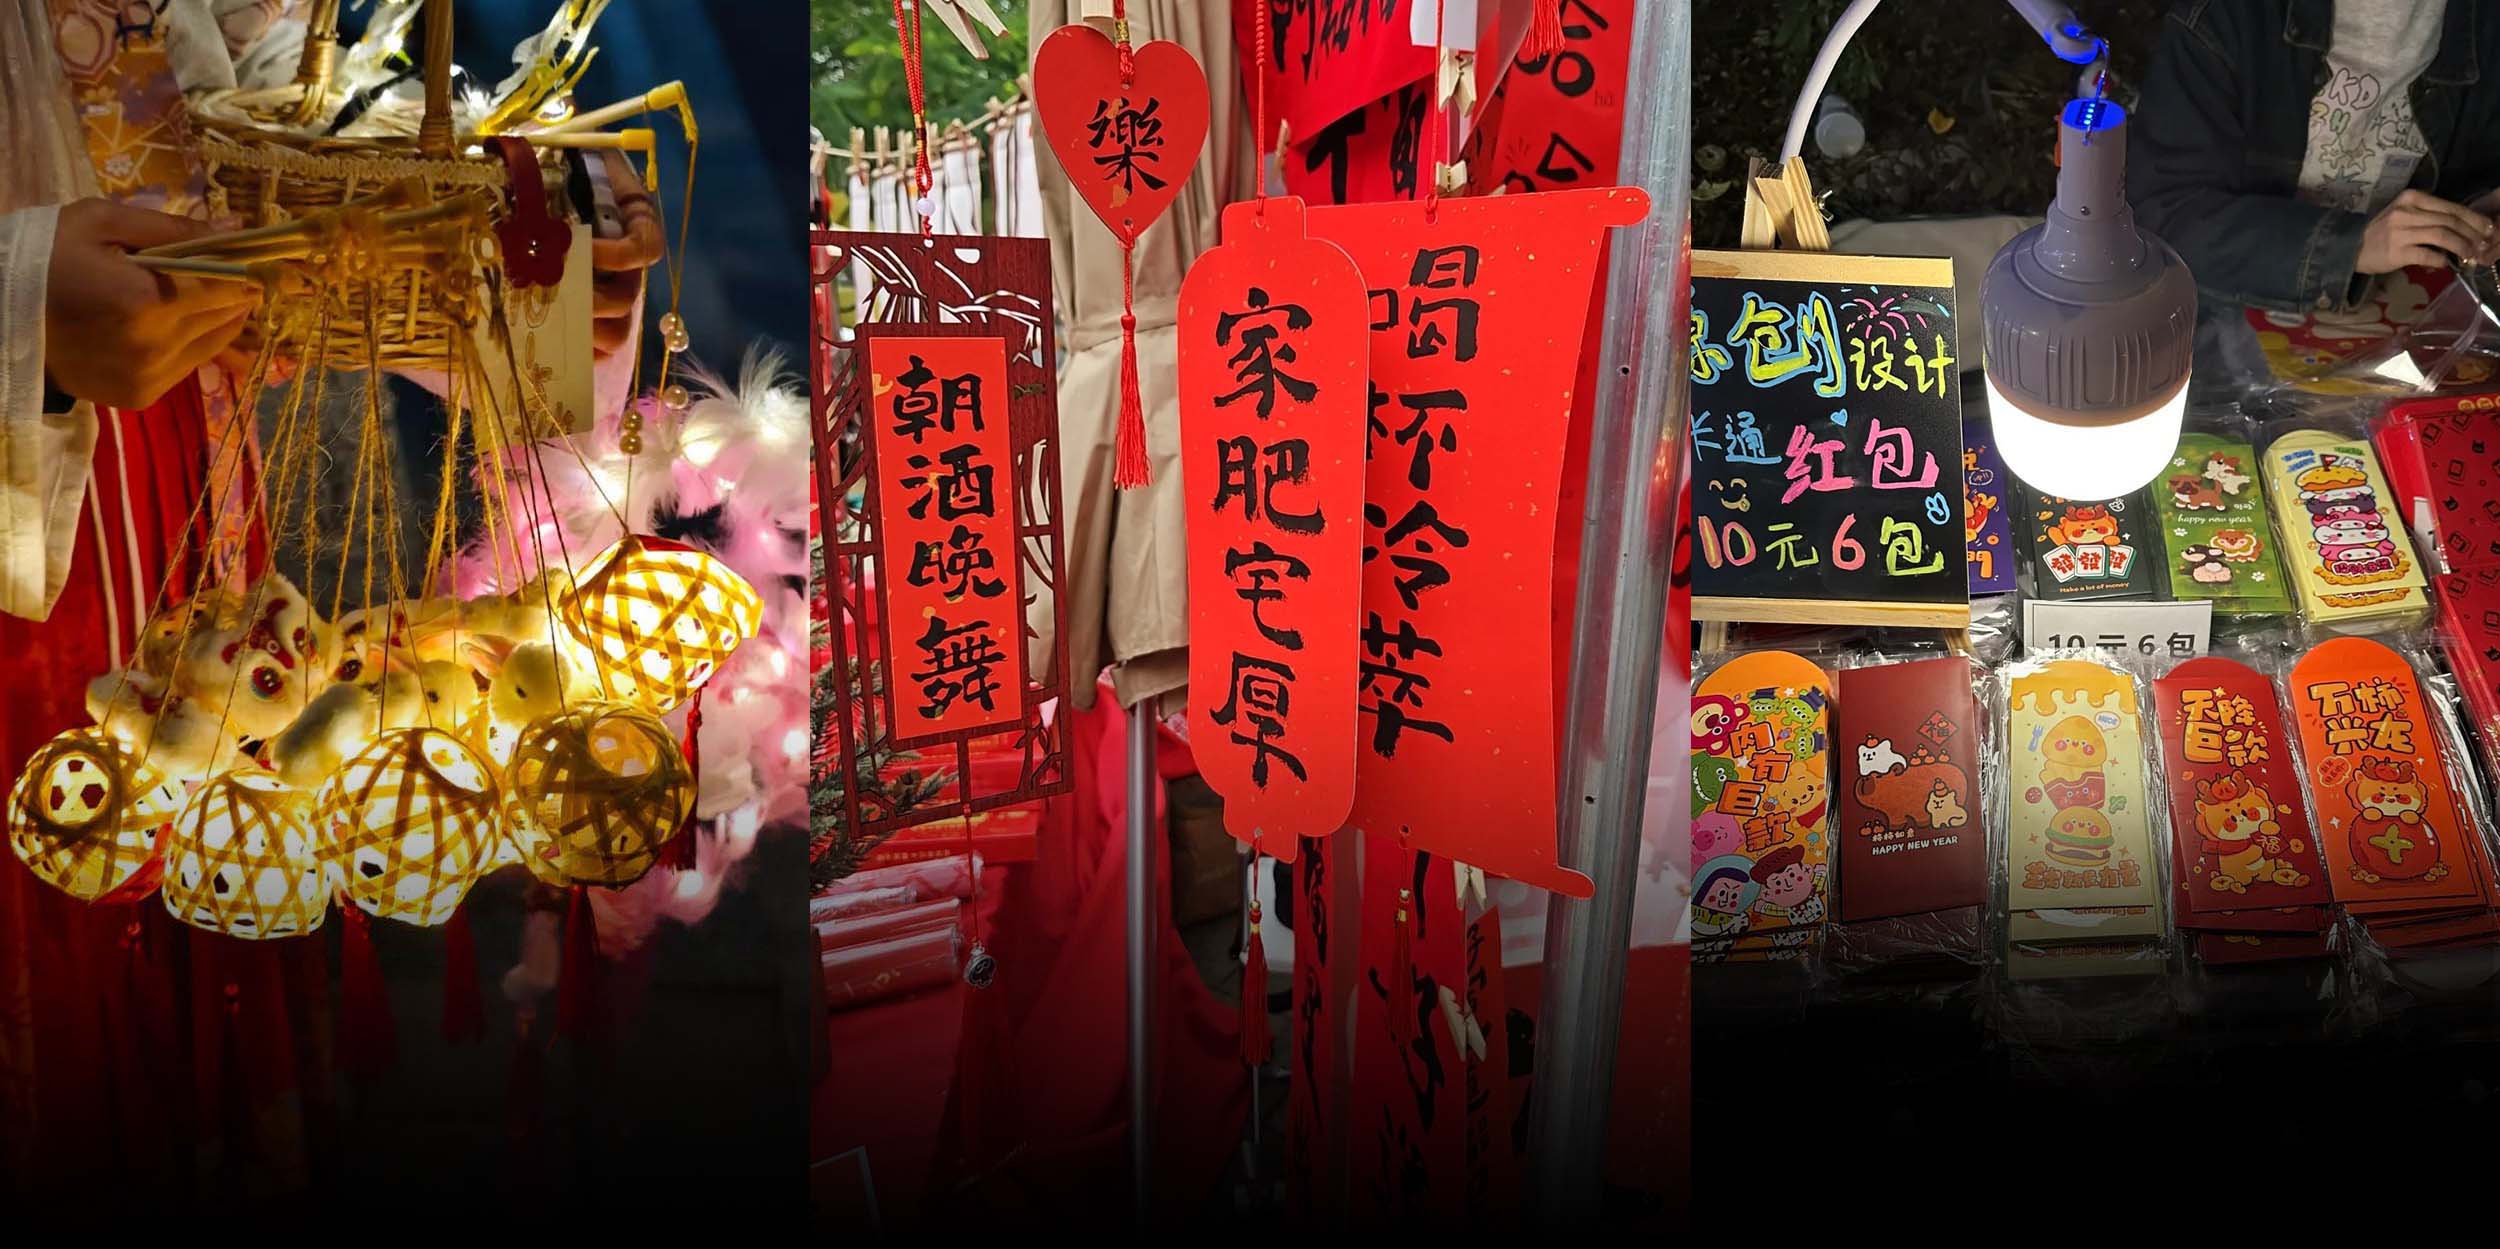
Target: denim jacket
x: 2222, y: 125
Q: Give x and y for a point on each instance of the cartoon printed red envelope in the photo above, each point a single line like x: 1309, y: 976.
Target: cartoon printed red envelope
x: 1911, y: 836
x: 2393, y: 834
x: 2078, y: 834
x: 2239, y: 833
x: 1274, y: 388
x: 1762, y: 778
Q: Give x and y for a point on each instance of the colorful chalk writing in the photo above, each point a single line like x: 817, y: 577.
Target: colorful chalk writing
x: 1827, y: 441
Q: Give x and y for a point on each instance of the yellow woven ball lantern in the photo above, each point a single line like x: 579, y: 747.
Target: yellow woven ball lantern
x: 242, y: 860
x: 87, y: 817
x: 593, y: 792
x: 662, y: 618
x: 409, y: 823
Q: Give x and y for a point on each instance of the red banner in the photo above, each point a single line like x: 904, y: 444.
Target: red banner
x: 953, y: 599
x: 1327, y: 58
x: 1477, y: 307
x: 1272, y: 402
x: 1556, y: 121
x: 1407, y: 1111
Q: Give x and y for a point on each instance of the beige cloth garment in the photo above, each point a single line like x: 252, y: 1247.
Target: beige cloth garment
x: 1124, y: 571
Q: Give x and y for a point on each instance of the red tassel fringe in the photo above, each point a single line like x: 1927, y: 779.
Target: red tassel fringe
x: 464, y: 1007
x: 577, y: 984
x: 1129, y: 468
x: 1545, y: 33
x: 1402, y: 974
x: 680, y: 851
x: 368, y: 1042
x: 1256, y: 1044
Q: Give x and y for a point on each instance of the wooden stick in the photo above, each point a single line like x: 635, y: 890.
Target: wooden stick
x: 664, y: 98
x: 195, y: 268
x: 1833, y: 611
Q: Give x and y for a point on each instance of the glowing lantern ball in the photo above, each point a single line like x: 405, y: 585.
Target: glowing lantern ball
x: 87, y: 817
x: 662, y: 617
x: 409, y: 823
x: 242, y: 860
x: 594, y: 791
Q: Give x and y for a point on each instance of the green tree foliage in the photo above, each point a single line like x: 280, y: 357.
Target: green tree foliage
x: 857, y: 62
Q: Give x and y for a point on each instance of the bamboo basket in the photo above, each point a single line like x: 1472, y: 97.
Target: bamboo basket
x: 421, y: 300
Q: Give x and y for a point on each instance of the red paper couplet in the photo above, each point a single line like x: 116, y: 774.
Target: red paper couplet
x: 1477, y: 309
x: 2394, y: 837
x: 1314, y: 1127
x: 2241, y: 835
x: 1407, y: 1107
x: 954, y: 618
x: 1126, y: 146
x: 1327, y: 60
x: 1273, y: 395
x: 1372, y: 154
x: 1556, y: 119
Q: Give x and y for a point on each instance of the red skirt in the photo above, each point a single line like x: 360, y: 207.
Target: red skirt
x: 134, y: 1048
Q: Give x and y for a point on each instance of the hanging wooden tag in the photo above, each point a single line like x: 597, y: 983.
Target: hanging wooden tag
x: 2240, y: 832
x: 2343, y: 539
x: 1912, y: 833
x: 1126, y: 145
x: 2391, y: 829
x: 1476, y: 310
x: 2079, y: 861
x: 1274, y: 389
x: 1762, y: 793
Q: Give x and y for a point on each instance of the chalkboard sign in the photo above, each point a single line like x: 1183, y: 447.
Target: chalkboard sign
x: 1827, y: 440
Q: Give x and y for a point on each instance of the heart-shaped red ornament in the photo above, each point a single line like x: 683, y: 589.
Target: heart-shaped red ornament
x: 1128, y: 148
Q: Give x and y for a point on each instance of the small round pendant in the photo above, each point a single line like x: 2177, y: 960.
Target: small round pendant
x: 980, y: 969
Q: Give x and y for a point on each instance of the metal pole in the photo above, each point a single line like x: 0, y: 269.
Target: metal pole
x: 1142, y: 929
x: 1636, y: 456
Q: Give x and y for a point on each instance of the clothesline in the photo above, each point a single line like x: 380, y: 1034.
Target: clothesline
x: 1005, y: 198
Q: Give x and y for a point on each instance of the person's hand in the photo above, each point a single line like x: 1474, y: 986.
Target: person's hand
x: 2419, y: 229
x: 121, y: 335
x: 617, y: 264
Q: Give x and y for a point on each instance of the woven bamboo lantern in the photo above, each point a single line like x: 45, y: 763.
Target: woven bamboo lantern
x: 593, y: 792
x: 662, y: 618
x: 87, y: 817
x: 242, y: 860
x: 408, y: 824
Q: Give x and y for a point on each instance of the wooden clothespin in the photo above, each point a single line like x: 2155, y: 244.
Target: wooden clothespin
x: 859, y: 152
x: 1781, y: 210
x: 952, y: 14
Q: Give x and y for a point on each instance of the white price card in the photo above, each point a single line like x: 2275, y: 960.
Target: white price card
x: 2171, y: 631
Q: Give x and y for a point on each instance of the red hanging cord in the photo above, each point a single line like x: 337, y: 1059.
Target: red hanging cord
x: 681, y: 848
x: 577, y: 980
x: 368, y: 1043
x: 907, y: 32
x: 464, y: 1007
x: 1440, y: 121
x: 1259, y: 134
x: 1130, y: 468
x: 1545, y: 32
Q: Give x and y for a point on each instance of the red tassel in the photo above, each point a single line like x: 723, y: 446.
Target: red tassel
x: 1256, y: 1045
x: 577, y: 984
x: 368, y: 1042
x: 1545, y: 32
x: 1402, y: 974
x: 680, y: 851
x: 1129, y: 468
x: 521, y: 1096
x: 464, y: 1007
